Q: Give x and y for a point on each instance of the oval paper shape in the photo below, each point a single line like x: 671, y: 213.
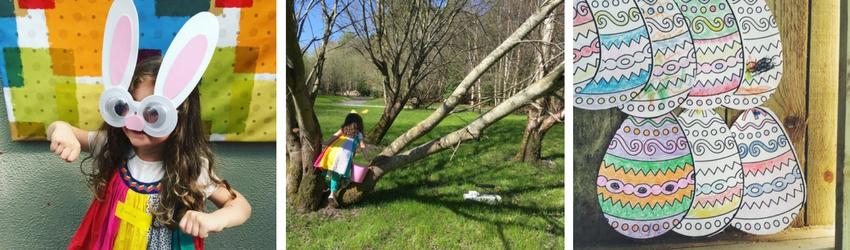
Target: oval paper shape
x: 774, y: 187
x: 762, y: 54
x: 625, y: 55
x: 645, y: 183
x: 674, y: 61
x: 719, y: 175
x: 585, y: 45
x: 720, y: 55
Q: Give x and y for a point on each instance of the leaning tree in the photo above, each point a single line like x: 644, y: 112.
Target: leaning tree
x: 398, y: 155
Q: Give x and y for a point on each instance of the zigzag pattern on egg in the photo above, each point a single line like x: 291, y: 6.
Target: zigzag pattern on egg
x: 770, y: 164
x: 719, y: 177
x: 673, y: 61
x: 783, y: 199
x: 716, y: 37
x: 646, y: 177
x: 712, y: 170
x: 624, y: 39
x: 585, y: 45
x: 762, y: 53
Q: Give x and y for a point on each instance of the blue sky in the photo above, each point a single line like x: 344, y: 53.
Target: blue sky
x: 314, y: 26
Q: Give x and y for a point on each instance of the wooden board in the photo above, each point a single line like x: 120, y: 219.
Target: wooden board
x: 823, y: 112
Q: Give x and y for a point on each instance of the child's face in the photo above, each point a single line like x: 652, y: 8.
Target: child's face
x: 138, y: 138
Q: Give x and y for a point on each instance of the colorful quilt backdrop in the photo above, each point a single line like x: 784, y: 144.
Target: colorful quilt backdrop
x: 50, y: 63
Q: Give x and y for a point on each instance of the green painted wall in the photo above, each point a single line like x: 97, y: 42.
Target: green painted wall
x: 42, y: 199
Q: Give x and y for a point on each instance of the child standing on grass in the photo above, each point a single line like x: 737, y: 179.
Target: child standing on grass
x: 338, y: 156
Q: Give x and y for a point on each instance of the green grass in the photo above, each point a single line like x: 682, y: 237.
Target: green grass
x: 421, y: 205
x: 329, y: 100
x: 375, y: 101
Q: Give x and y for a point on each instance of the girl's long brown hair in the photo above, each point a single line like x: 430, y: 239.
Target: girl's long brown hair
x: 182, y: 156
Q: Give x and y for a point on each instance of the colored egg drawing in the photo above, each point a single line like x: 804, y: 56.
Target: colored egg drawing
x: 645, y: 183
x: 625, y: 56
x: 762, y: 53
x: 719, y: 176
x: 585, y: 45
x: 673, y: 58
x: 774, y: 186
x: 719, y: 52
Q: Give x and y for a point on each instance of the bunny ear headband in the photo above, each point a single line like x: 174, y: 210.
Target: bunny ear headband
x: 182, y: 67
x: 365, y: 111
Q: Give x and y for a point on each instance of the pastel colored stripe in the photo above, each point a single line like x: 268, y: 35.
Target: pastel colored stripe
x: 618, y: 164
x: 659, y: 200
x: 699, y: 211
x: 770, y: 165
x: 640, y: 213
x: 704, y: 200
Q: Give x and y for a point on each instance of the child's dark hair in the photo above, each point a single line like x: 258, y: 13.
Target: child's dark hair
x: 353, y: 123
x: 186, y: 148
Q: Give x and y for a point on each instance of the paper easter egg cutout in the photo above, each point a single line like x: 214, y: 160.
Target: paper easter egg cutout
x: 625, y: 55
x: 719, y: 176
x: 674, y: 61
x: 774, y: 186
x: 646, y: 180
x: 585, y: 45
x: 719, y: 52
x: 762, y: 54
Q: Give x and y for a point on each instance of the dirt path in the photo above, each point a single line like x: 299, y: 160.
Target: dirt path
x: 358, y: 102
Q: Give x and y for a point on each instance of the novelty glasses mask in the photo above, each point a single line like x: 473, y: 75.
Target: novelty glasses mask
x: 182, y: 67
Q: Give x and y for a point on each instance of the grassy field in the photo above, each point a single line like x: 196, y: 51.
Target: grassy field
x: 421, y: 205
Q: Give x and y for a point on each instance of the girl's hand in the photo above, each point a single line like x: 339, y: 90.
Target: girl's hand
x: 63, y: 141
x: 200, y: 224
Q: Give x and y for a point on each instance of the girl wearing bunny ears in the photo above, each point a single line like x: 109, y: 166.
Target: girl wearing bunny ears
x: 152, y: 166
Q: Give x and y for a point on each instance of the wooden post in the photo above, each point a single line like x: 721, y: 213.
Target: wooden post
x: 842, y: 227
x: 823, y: 107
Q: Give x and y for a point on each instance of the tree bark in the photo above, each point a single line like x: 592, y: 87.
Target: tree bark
x: 293, y: 150
x: 532, y: 138
x: 383, y: 164
x: 307, y: 143
x: 538, y: 124
x: 380, y: 129
x: 529, y: 147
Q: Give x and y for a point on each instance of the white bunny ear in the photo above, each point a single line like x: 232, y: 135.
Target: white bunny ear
x: 120, y: 44
x: 187, y: 58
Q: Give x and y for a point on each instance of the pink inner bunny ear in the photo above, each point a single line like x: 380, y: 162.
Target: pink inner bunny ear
x: 187, y: 65
x: 122, y: 44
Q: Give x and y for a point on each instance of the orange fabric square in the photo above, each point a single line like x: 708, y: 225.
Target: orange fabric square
x: 78, y: 26
x: 257, y: 29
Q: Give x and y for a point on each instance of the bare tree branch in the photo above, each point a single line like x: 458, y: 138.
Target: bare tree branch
x: 434, y: 119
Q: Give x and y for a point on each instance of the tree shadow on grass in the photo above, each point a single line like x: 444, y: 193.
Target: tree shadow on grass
x: 553, y: 216
x: 436, y: 182
x: 411, y: 189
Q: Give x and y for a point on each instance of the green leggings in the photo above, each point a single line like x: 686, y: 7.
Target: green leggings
x: 335, y: 180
